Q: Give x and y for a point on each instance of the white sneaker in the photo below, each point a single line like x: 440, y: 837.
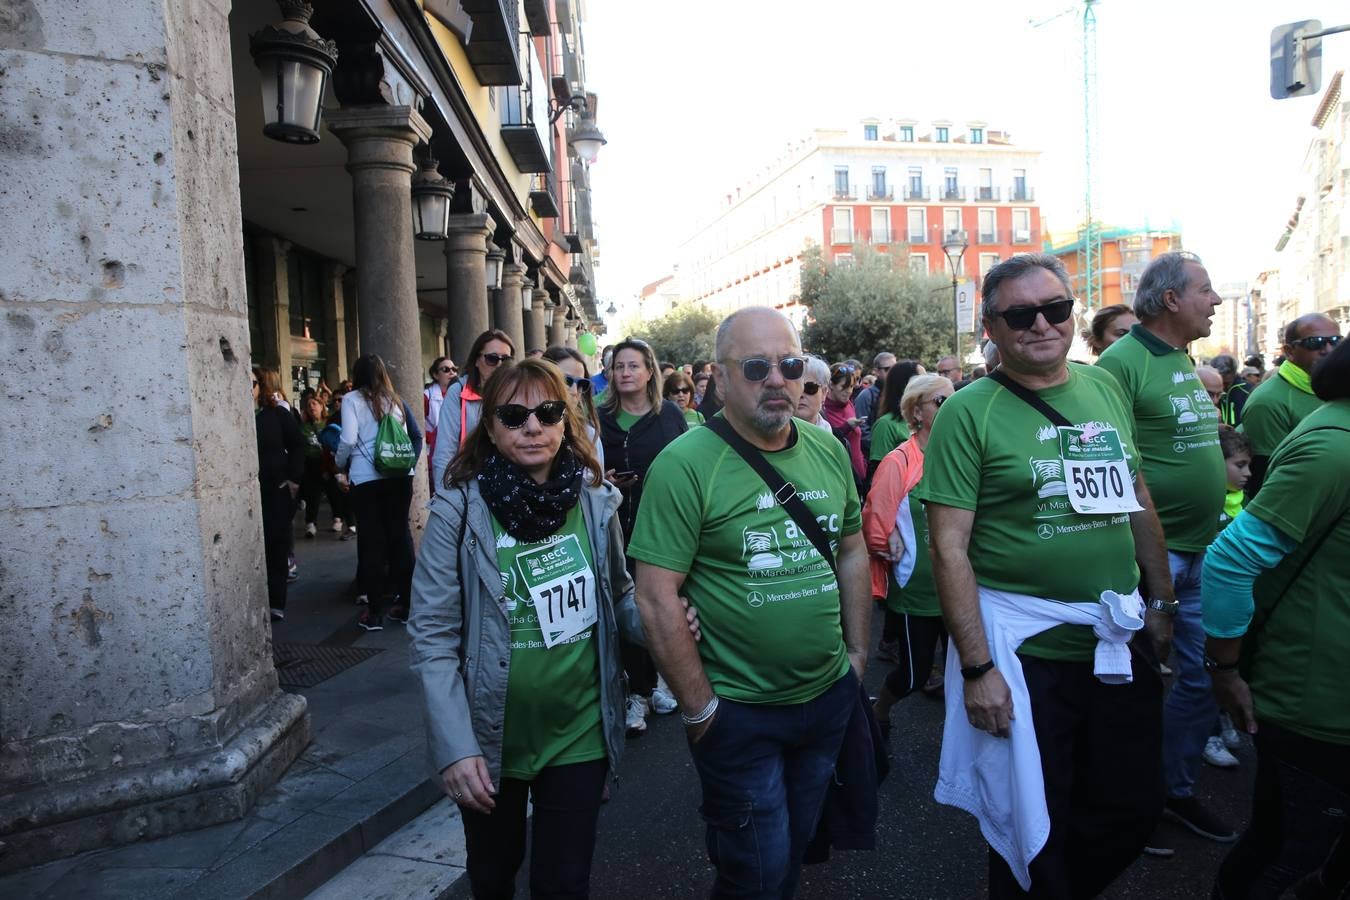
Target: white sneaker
x: 311, y: 529
x: 1231, y: 739
x: 1216, y: 754
x: 362, y: 600
x: 663, y: 701
x: 635, y: 715
x: 337, y: 526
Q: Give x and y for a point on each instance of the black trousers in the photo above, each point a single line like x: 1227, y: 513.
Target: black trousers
x: 1101, y: 757
x: 1299, y: 809
x: 316, y: 484
x: 917, y: 638
x: 384, y: 545
x: 277, y: 509
x: 566, y: 810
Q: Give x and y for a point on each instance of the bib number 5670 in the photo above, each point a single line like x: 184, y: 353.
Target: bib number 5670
x: 1096, y: 481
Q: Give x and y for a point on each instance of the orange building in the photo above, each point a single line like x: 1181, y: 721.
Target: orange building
x: 1126, y: 252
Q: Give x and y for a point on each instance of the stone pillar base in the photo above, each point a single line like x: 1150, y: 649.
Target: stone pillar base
x: 157, y: 799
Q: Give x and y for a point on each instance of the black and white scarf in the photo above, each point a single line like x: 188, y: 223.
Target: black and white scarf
x: 530, y: 511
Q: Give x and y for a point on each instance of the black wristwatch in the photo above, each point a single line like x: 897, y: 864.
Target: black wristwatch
x: 970, y: 673
x: 1213, y: 665
x: 1171, y: 607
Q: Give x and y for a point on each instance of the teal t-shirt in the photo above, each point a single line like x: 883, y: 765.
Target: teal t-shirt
x: 992, y: 453
x: 888, y: 433
x: 1272, y: 411
x: 767, y: 602
x: 1300, y: 634
x: 1177, y: 432
x: 552, y: 694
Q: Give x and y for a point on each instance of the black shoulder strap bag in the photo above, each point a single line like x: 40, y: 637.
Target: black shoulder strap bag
x: 848, y: 821
x: 1032, y: 399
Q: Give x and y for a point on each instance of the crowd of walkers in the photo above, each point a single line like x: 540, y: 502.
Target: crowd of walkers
x: 1111, y: 573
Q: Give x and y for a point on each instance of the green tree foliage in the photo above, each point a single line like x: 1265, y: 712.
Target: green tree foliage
x: 683, y: 335
x: 877, y: 303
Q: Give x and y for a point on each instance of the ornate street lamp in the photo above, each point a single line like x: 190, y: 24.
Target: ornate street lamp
x: 294, y: 63
x: 612, y: 309
x: 586, y: 139
x: 954, y: 246
x: 496, y: 257
x: 431, y: 195
x: 549, y: 312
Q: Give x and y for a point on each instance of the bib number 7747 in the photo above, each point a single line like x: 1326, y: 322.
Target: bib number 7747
x: 562, y: 585
x: 1095, y: 471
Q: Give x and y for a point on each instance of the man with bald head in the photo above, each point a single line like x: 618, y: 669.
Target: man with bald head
x: 1281, y: 402
x: 767, y: 694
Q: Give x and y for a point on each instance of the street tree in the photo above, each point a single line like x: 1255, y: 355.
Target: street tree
x: 875, y: 303
x: 683, y: 335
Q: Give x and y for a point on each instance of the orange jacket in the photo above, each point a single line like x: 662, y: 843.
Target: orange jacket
x: 896, y: 475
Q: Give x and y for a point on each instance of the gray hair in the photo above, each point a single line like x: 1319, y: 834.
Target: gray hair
x: 1224, y: 364
x: 1015, y: 267
x: 722, y: 343
x: 817, y: 370
x: 1166, y: 273
x: 880, y: 359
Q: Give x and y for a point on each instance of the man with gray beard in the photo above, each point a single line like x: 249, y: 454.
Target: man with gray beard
x: 767, y: 694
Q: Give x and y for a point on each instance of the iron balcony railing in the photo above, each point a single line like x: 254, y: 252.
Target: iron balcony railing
x: 841, y: 235
x: 953, y: 192
x: 1021, y: 193
x: 884, y: 193
x: 842, y: 192
x: 988, y: 193
x: 916, y: 192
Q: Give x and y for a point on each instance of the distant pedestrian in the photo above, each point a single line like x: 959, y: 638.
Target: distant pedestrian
x: 815, y: 380
x: 1109, y: 324
x: 443, y: 373
x: 581, y: 390
x: 767, y: 695
x: 459, y: 410
x: 281, y: 467
x: 679, y: 389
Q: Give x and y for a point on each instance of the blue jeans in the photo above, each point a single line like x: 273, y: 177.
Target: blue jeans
x: 764, y: 771
x: 1190, y: 714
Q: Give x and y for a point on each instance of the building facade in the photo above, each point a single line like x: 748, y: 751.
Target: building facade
x: 1125, y: 253
x: 884, y: 183
x: 158, y: 243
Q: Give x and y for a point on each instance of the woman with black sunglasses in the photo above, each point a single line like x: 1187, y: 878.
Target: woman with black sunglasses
x: 635, y: 426
x: 814, y: 378
x: 838, y: 410
x: 581, y: 391
x: 529, y: 704
x: 459, y: 411
x: 679, y: 389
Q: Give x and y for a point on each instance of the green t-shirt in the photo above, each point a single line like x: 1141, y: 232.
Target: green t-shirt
x: 552, y: 694
x: 768, y: 603
x: 1295, y: 657
x: 1177, y: 432
x: 888, y: 433
x: 693, y: 417
x: 919, y: 595
x: 994, y: 454
x: 626, y: 419
x: 310, y: 432
x: 1272, y: 411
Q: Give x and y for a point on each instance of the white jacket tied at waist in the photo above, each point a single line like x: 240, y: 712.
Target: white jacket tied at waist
x: 998, y: 780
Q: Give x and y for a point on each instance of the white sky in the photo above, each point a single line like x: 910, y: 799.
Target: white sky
x: 697, y: 95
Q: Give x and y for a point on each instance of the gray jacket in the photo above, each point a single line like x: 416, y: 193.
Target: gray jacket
x: 461, y: 641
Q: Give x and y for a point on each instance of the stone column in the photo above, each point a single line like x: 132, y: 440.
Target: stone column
x: 350, y: 321
x: 557, y: 332
x: 508, y: 315
x: 137, y: 695
x: 536, y: 334
x: 466, y: 295
x: 274, y: 304
x: 572, y: 335
x: 335, y: 334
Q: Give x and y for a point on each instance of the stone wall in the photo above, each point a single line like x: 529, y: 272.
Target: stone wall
x: 138, y: 695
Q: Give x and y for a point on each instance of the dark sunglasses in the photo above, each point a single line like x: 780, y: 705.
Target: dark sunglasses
x: 495, y: 359
x: 581, y: 384
x: 810, y: 388
x: 683, y: 390
x: 1020, y: 318
x: 757, y: 368
x: 1317, y: 343
x: 513, y: 415
x: 940, y: 399
x: 450, y: 369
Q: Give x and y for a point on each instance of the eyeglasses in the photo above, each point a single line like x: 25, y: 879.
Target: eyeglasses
x: 940, y: 399
x: 810, y: 388
x: 581, y: 384
x: 683, y: 390
x: 513, y: 415
x: 883, y: 369
x: 1317, y: 343
x: 1020, y: 318
x: 843, y: 369
x: 495, y: 359
x: 450, y: 369
x: 757, y: 368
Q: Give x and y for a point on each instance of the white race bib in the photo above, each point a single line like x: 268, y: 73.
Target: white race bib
x: 562, y: 587
x: 1095, y: 471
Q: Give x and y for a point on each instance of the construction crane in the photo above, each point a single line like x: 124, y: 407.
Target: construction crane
x: 1090, y: 235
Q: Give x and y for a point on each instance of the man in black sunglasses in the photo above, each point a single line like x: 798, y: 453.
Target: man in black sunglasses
x: 1177, y: 426
x: 1281, y: 402
x: 767, y: 695
x: 1039, y: 521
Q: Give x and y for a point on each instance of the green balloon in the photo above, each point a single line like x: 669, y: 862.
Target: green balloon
x: 586, y: 343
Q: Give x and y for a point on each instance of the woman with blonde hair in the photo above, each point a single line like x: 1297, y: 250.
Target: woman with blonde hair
x: 895, y: 528
x: 530, y: 704
x: 380, y: 499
